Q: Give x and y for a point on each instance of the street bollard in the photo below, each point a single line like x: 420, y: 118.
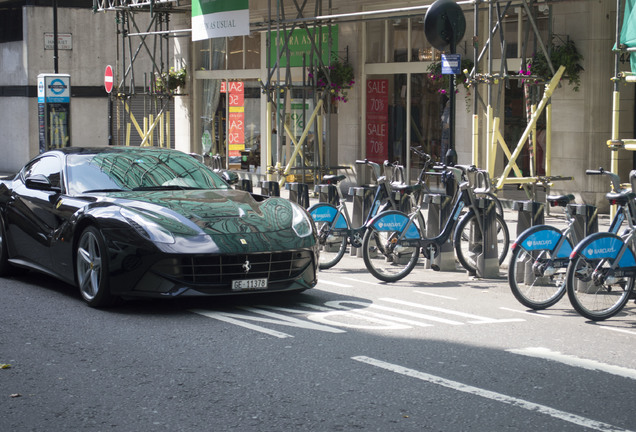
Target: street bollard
x: 298, y: 193
x: 245, y: 185
x: 270, y: 188
x: 488, y: 258
x: 362, y: 201
x: 439, y: 207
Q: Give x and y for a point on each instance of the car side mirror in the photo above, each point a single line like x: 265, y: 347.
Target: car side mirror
x: 41, y: 182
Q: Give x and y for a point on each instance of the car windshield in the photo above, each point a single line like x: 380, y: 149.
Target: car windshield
x: 125, y: 171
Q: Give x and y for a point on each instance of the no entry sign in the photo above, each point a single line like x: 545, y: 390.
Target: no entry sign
x: 108, y: 79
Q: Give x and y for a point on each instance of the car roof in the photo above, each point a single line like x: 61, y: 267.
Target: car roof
x: 112, y: 149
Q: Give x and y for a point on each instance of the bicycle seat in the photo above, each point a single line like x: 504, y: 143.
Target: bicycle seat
x: 620, y: 198
x: 333, y: 178
x: 559, y: 200
x: 403, y: 188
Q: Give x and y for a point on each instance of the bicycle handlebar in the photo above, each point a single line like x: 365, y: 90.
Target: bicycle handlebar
x: 614, y: 178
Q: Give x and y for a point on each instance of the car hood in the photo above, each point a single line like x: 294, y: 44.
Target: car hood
x: 215, y: 212
x: 227, y: 221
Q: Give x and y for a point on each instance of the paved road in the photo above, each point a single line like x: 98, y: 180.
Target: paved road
x: 436, y: 351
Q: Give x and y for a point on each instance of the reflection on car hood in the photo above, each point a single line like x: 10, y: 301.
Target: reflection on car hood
x: 215, y: 212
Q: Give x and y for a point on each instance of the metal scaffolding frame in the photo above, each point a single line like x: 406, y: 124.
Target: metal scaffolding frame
x: 279, y: 85
x: 147, y: 38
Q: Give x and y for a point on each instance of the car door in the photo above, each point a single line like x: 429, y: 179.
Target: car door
x: 31, y: 211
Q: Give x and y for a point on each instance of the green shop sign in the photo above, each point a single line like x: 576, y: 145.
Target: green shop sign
x: 300, y: 44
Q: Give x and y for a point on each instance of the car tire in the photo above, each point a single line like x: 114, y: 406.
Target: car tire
x: 92, y: 269
x: 5, y: 267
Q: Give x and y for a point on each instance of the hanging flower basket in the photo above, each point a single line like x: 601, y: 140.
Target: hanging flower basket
x: 336, y: 78
x: 169, y: 82
x: 564, y: 53
x: 442, y: 81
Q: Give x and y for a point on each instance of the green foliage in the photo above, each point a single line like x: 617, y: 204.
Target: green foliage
x: 171, y: 80
x: 341, y: 78
x: 442, y: 82
x: 564, y: 54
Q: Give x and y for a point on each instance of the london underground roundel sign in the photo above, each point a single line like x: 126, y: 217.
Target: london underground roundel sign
x: 108, y: 79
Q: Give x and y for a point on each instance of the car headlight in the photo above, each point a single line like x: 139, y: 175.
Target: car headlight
x: 146, y: 227
x: 301, y: 222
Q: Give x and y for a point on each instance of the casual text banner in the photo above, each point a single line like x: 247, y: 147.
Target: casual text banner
x: 220, y: 18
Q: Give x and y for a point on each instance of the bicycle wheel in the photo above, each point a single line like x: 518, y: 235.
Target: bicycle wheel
x: 389, y: 253
x: 332, y: 231
x: 595, y: 290
x: 537, y: 270
x: 468, y: 242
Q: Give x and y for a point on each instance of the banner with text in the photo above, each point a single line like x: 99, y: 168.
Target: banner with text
x: 377, y: 120
x: 220, y: 18
x: 236, y: 116
x: 299, y: 43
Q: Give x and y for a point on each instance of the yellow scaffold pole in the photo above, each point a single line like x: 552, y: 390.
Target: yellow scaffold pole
x: 281, y: 182
x: 549, y: 89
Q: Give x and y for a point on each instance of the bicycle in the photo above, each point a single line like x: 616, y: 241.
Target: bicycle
x: 392, y: 242
x: 333, y: 223
x: 541, y: 254
x: 602, y: 268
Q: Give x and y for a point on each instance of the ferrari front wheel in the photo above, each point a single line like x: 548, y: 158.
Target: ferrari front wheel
x: 92, y: 269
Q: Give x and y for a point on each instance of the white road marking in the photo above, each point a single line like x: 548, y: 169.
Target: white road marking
x: 384, y: 285
x: 545, y: 353
x: 519, y: 403
x: 525, y: 312
x: 478, y: 319
x: 620, y: 330
x: 435, y: 295
x: 326, y: 282
x: 274, y: 318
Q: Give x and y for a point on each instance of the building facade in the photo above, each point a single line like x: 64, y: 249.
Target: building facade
x: 396, y: 100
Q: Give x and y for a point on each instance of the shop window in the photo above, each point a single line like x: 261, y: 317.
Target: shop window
x: 398, y: 40
x: 239, y: 52
x: 375, y: 42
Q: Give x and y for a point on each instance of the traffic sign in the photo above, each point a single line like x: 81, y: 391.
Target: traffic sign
x: 108, y: 79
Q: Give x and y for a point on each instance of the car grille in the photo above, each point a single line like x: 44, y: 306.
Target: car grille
x: 222, y: 269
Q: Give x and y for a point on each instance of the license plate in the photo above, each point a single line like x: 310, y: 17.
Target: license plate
x: 249, y: 284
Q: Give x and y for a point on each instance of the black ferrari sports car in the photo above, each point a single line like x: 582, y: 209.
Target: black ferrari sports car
x: 139, y: 221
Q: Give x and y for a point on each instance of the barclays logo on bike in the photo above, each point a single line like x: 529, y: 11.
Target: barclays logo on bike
x: 535, y: 243
x: 600, y: 251
x: 389, y: 225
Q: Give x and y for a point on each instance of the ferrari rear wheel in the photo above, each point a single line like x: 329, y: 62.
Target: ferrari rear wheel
x: 92, y: 269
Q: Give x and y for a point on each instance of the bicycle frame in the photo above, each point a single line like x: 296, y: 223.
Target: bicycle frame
x: 628, y: 266
x: 341, y: 225
x: 464, y: 199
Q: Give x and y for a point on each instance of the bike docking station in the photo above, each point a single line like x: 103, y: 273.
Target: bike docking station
x: 439, y: 208
x: 270, y: 188
x: 362, y: 202
x: 529, y: 214
x: 488, y: 258
x: 245, y: 185
x: 298, y: 193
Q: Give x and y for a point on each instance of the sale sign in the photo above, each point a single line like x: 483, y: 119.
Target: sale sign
x: 236, y: 117
x: 377, y: 120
